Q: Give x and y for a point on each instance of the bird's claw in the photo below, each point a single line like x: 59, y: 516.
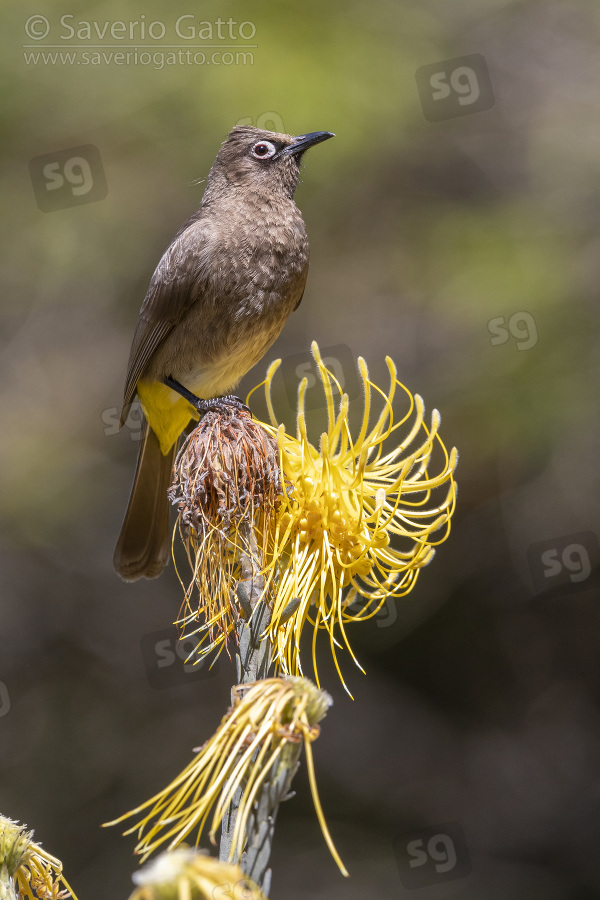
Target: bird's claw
x: 217, y: 404
x: 234, y: 401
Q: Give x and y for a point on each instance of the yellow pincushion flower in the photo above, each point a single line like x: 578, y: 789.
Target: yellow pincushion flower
x: 355, y: 521
x: 186, y: 874
x: 333, y: 532
x: 26, y: 870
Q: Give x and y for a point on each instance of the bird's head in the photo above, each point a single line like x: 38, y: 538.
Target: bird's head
x: 261, y: 160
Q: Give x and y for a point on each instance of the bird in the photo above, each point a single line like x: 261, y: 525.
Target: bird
x: 218, y: 299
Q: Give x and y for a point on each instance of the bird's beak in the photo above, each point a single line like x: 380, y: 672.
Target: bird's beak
x: 303, y: 142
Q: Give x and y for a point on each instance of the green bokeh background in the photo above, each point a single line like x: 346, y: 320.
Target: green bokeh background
x: 480, y: 704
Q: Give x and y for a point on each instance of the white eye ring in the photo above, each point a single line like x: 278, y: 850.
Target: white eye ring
x: 268, y: 150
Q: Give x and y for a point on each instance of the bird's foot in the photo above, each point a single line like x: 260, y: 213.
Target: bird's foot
x: 218, y: 404
x: 232, y: 400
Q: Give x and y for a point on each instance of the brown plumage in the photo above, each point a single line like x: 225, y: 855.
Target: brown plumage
x: 218, y: 299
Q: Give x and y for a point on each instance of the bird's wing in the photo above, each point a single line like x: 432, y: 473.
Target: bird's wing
x: 177, y: 283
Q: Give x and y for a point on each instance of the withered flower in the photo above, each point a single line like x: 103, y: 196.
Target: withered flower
x: 256, y: 742
x: 227, y: 485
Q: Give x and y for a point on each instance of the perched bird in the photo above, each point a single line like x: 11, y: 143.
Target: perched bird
x: 218, y: 299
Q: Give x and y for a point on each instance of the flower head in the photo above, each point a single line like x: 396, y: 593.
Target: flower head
x: 332, y: 531
x: 360, y: 517
x: 257, y: 741
x: 26, y: 867
x: 226, y: 486
x: 186, y: 874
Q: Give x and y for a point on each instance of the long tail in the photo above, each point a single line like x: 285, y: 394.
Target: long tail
x: 143, y: 547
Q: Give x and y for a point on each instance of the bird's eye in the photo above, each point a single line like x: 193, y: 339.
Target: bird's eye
x: 263, y: 150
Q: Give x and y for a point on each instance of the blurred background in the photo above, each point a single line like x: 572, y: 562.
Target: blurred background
x: 454, y: 224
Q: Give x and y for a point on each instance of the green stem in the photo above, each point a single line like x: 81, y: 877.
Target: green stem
x: 253, y: 655
x: 253, y: 661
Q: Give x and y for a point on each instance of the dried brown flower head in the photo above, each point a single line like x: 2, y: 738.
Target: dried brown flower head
x: 227, y: 486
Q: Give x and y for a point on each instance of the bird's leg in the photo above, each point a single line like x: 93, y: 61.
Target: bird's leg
x: 220, y: 404
x: 180, y: 389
